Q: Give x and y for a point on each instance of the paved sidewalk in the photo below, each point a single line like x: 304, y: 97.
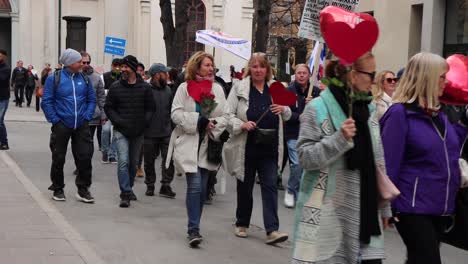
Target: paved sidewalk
x: 32, y: 230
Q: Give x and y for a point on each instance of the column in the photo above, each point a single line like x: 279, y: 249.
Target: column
x: 145, y: 33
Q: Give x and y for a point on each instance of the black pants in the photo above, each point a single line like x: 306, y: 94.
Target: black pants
x: 421, y: 235
x: 29, y: 94
x: 82, y: 148
x: 267, y: 168
x: 152, y: 147
x: 38, y: 103
x: 19, y: 94
x: 92, y: 130
x: 372, y: 261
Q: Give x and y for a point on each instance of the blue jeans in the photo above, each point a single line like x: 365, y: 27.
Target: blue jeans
x: 295, y: 170
x: 196, y: 193
x: 3, y: 131
x: 107, y: 144
x: 128, y: 150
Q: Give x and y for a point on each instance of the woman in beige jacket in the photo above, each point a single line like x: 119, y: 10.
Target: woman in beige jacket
x: 195, y: 127
x: 256, y: 129
x: 385, y: 84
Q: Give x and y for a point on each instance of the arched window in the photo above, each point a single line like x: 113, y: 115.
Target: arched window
x: 197, y: 16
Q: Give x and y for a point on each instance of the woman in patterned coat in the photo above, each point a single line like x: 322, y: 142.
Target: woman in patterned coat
x: 338, y: 215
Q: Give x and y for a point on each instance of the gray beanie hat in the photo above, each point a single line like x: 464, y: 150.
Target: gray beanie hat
x: 70, y: 56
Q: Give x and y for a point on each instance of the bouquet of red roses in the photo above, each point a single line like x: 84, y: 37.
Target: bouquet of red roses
x: 207, y: 104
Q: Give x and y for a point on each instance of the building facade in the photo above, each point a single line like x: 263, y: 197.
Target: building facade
x: 410, y: 26
x: 29, y: 29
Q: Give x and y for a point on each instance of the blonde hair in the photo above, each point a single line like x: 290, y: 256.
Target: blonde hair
x: 378, y: 89
x: 194, y: 64
x: 420, y: 82
x: 261, y: 58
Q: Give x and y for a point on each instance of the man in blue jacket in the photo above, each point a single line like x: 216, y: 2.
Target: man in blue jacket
x: 68, y: 103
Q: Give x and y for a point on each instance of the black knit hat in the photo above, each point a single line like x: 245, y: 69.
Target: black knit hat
x: 131, y: 62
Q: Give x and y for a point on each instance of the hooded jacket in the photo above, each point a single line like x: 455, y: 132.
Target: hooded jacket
x: 72, y: 102
x: 160, y: 125
x: 4, y: 81
x: 98, y: 86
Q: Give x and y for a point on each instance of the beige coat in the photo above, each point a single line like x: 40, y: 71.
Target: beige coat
x: 234, y: 148
x: 184, y: 146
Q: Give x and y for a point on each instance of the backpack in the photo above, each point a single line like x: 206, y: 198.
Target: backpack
x: 57, y: 79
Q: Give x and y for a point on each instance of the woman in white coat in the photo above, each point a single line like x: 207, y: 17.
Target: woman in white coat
x: 196, y: 125
x: 256, y: 129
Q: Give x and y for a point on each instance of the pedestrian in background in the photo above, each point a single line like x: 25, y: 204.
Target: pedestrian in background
x: 44, y: 74
x: 256, y: 146
x: 18, y: 81
x: 385, y: 85
x: 140, y: 173
x: 422, y: 149
x: 197, y: 128
x: 30, y: 84
x: 340, y: 149
x: 300, y: 87
x: 108, y: 147
x: 68, y: 103
x: 4, y: 97
x: 158, y: 133
x: 130, y: 107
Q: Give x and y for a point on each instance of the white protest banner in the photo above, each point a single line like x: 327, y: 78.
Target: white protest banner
x: 310, y: 21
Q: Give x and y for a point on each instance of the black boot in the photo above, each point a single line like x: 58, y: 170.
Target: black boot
x: 150, y: 190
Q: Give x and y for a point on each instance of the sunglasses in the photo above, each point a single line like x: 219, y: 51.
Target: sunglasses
x: 390, y: 80
x: 86, y: 62
x: 370, y: 74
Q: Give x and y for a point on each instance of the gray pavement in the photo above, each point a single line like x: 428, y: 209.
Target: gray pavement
x: 153, y: 230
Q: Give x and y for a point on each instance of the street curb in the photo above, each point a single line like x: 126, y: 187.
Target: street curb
x: 75, y: 239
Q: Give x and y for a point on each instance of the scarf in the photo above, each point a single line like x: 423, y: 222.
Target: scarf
x: 210, y: 78
x: 361, y: 158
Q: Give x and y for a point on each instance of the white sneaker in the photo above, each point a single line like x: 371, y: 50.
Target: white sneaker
x: 288, y: 200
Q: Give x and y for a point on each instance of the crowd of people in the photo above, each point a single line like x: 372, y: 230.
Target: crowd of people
x: 340, y: 142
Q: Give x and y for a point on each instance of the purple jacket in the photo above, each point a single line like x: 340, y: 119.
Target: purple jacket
x: 422, y: 163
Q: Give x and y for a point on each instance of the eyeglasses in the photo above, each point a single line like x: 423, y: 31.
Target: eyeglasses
x: 86, y: 62
x: 370, y: 74
x: 390, y: 80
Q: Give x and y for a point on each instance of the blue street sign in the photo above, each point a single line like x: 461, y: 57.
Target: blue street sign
x: 114, y: 50
x: 116, y: 42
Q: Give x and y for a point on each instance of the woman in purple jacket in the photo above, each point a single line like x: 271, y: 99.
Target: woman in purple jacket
x: 421, y: 152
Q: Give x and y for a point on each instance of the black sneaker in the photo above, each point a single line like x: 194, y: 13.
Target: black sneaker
x: 4, y: 147
x: 166, y: 191
x: 75, y: 172
x: 132, y: 197
x: 105, y: 158
x: 59, y: 195
x: 83, y: 195
x: 124, y: 203
x: 209, y: 200
x: 149, y: 190
x: 194, y: 239
x: 280, y: 184
x: 113, y: 160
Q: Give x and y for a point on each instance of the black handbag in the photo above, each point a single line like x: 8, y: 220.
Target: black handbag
x: 457, y: 236
x: 214, y: 153
x: 264, y: 136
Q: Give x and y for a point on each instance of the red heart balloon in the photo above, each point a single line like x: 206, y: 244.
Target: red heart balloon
x: 349, y: 35
x: 456, y: 90
x: 282, y: 96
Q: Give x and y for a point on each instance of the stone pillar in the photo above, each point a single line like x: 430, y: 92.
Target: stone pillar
x: 51, y: 36
x: 76, y: 32
x: 25, y: 38
x: 144, y: 33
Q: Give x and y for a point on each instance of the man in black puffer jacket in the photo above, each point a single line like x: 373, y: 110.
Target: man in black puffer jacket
x: 130, y: 107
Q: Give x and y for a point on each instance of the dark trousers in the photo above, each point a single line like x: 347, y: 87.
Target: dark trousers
x: 152, y: 148
x: 421, y: 235
x: 93, y: 129
x: 38, y: 103
x: 267, y: 168
x: 19, y: 94
x: 29, y: 94
x: 372, y: 261
x: 82, y: 148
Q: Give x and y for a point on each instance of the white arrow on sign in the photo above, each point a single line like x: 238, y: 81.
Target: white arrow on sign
x: 112, y: 41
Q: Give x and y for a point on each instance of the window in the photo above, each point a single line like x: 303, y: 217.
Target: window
x: 456, y: 27
x: 196, y: 14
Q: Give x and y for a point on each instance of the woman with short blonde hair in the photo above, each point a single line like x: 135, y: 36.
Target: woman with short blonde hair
x: 384, y: 87
x: 256, y: 146
x: 422, y: 149
x: 193, y: 65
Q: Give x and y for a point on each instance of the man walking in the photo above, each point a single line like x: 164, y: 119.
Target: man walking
x: 158, y: 133
x: 130, y: 107
x: 107, y: 146
x: 68, y: 103
x: 4, y: 97
x: 18, y: 80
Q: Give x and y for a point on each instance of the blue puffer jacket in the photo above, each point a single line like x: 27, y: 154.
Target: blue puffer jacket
x: 72, y: 102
